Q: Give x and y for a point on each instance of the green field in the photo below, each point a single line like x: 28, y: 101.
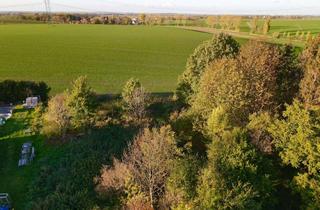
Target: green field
x: 108, y: 55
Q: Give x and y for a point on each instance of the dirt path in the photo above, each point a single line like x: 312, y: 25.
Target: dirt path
x: 243, y: 35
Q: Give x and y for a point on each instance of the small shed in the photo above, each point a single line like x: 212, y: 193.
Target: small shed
x: 27, y: 154
x: 31, y: 102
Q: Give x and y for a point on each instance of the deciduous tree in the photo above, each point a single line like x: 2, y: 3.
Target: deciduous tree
x: 80, y: 100
x: 219, y: 47
x: 297, y: 138
x: 57, y: 119
x: 135, y: 100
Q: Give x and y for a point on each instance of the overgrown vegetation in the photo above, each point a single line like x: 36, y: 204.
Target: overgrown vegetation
x: 244, y: 134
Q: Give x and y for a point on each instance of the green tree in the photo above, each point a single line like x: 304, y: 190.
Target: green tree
x: 37, y: 120
x: 182, y: 182
x: 289, y: 76
x: 297, y: 139
x: 235, y: 176
x: 80, y: 100
x: 219, y: 46
x: 57, y: 119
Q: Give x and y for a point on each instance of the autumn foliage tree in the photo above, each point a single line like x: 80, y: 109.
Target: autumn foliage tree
x: 310, y: 85
x: 252, y: 82
x: 147, y: 162
x: 135, y: 100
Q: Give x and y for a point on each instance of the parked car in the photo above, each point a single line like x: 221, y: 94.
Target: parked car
x: 5, y: 202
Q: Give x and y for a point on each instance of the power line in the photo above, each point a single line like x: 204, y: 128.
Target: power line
x: 21, y: 5
x: 47, y: 6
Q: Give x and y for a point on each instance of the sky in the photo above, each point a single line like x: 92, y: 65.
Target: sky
x: 257, y: 7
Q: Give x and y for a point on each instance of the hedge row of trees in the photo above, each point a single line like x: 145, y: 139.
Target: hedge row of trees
x: 247, y: 136
x: 17, y: 91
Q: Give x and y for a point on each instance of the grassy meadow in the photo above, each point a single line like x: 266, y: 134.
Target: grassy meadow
x: 108, y: 55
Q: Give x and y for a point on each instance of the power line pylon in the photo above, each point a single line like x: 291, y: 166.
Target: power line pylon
x: 48, y: 9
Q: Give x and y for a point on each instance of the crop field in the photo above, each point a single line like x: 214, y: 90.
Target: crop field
x: 108, y: 55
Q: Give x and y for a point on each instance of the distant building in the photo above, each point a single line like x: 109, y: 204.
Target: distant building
x: 31, y: 102
x: 134, y: 21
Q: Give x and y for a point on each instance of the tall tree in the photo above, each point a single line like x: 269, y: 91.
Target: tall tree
x: 57, y: 117
x: 219, y: 46
x: 266, y: 25
x: 80, y: 100
x: 310, y: 84
x: 254, y: 25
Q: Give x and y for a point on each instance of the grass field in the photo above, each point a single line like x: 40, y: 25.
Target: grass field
x: 108, y: 55
x: 288, y: 25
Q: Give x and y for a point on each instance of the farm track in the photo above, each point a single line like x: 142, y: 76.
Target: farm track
x: 243, y: 35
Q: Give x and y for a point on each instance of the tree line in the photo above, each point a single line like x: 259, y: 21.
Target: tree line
x: 17, y: 91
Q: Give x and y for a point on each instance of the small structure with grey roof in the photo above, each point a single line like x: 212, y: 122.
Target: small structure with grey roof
x: 27, y: 154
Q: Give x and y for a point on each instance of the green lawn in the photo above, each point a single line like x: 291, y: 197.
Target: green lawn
x: 55, y: 167
x: 15, y: 180
x: 108, y: 55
